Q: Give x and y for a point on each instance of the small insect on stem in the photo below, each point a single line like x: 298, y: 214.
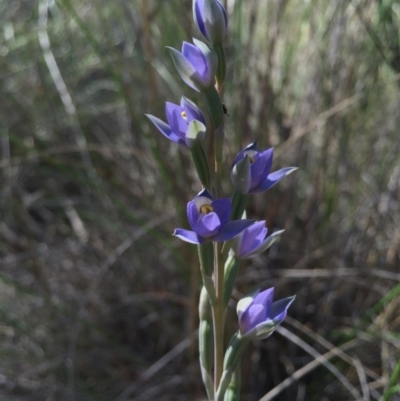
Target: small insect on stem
x: 225, y: 109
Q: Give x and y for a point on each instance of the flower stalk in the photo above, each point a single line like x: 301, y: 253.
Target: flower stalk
x: 239, y: 203
x: 221, y: 69
x: 234, y: 352
x: 233, y: 391
x: 200, y: 162
x: 218, y: 315
x: 232, y: 266
x: 206, y: 343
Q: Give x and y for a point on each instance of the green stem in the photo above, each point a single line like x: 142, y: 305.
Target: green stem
x: 214, y: 106
x: 215, y: 110
x: 392, y: 388
x: 218, y: 178
x: 206, y: 345
x: 232, y: 265
x: 233, y: 391
x: 390, y: 391
x: 200, y: 162
x: 218, y: 315
x: 234, y: 352
x: 239, y: 202
x: 221, y: 69
x: 206, y: 256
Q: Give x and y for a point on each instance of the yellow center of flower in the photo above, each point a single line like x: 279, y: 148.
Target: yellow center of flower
x: 183, y: 114
x: 252, y: 160
x: 205, y: 209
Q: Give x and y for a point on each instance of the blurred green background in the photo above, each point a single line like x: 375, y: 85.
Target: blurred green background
x: 97, y: 299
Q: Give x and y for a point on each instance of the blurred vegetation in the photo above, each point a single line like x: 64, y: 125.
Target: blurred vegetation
x: 95, y: 293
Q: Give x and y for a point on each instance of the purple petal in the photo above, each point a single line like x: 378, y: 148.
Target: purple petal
x: 188, y: 236
x: 272, y: 179
x: 231, y: 230
x: 262, y: 246
x: 240, y: 155
x: 186, y: 70
x: 199, y: 5
x: 261, y: 167
x: 245, y: 302
x: 279, y: 309
x: 193, y: 214
x: 210, y: 59
x: 165, y: 129
x: 253, y: 315
x: 224, y: 13
x: 196, y: 58
x: 208, y: 225
x: 223, y: 208
x: 175, y: 119
x: 251, y: 238
x: 192, y: 111
x: 265, y: 297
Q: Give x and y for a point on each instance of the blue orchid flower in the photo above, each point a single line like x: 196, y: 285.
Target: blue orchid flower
x: 182, y: 128
x: 251, y: 171
x: 259, y: 315
x: 254, y: 240
x: 196, y: 64
x: 209, y: 219
x: 210, y: 17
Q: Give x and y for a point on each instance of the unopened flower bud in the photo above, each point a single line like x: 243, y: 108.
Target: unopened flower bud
x: 210, y: 17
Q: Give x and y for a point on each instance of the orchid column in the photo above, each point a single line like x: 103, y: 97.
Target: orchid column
x: 223, y: 237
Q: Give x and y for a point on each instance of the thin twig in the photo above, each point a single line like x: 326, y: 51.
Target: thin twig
x: 363, y: 379
x: 322, y: 341
x: 305, y: 370
x: 123, y: 247
x: 156, y: 367
x: 61, y: 87
x: 341, y: 272
x: 321, y: 119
